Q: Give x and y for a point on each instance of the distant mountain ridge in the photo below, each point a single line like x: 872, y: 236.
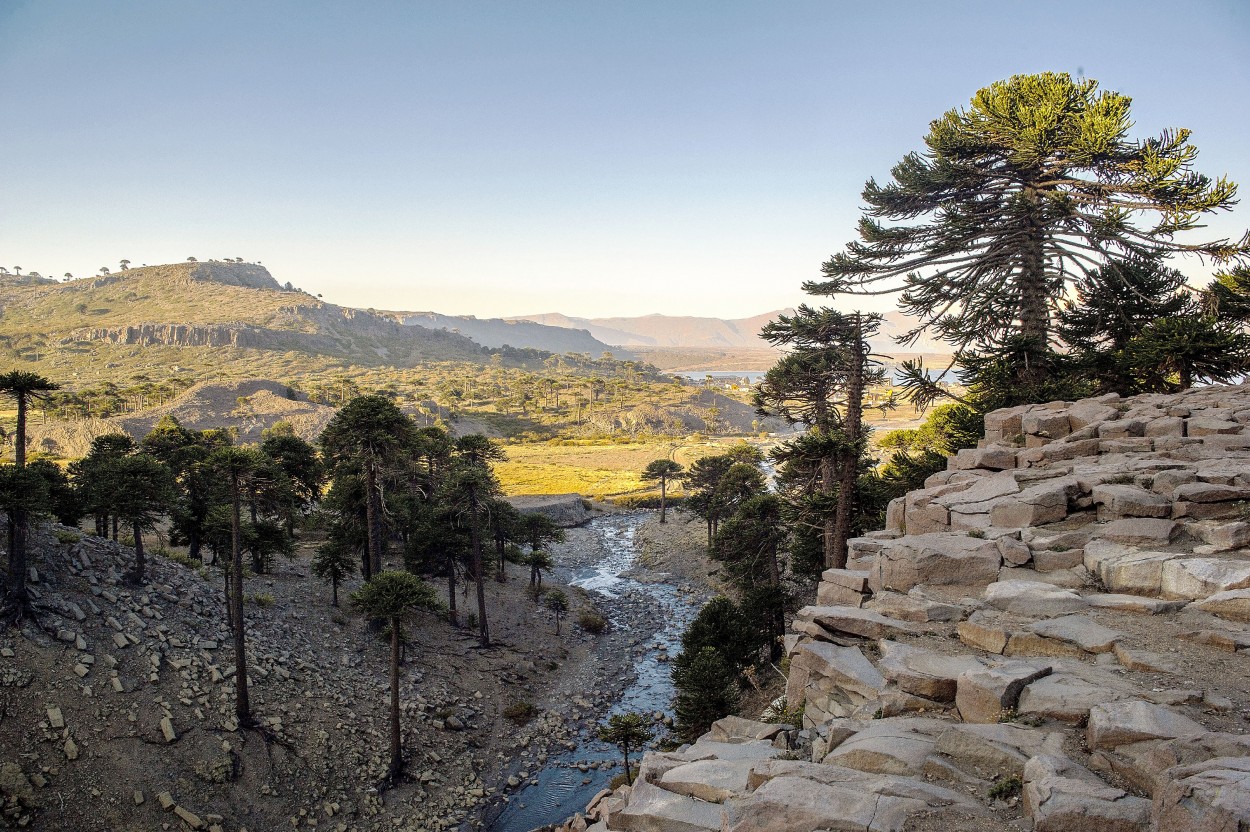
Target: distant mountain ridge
x: 498, y: 332
x: 659, y: 331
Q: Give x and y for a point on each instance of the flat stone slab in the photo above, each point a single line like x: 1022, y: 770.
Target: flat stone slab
x: 853, y: 621
x: 1143, y: 661
x: 1139, y: 531
x: 887, y: 748
x: 911, y: 607
x: 1061, y: 796
x: 1068, y: 697
x: 735, y: 729
x: 922, y: 672
x: 1233, y: 604
x: 653, y: 809
x: 1084, y: 632
x: 842, y: 667
x: 1033, y: 598
x: 707, y: 749
x: 1113, y: 724
x: 792, y: 795
x: 1133, y: 603
x: 983, y: 695
x: 1196, y: 578
x: 1212, y: 795
x: 712, y: 780
x: 995, y: 750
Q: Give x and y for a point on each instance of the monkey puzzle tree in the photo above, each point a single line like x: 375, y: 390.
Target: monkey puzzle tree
x: 23, y: 388
x: 556, y: 601
x: 537, y: 530
x: 469, y: 485
x: 237, y: 466
x: 1016, y: 195
x: 366, y: 435
x: 821, y: 384
x: 663, y: 471
x: 334, y: 561
x: 144, y: 491
x: 394, y: 596
x: 626, y: 731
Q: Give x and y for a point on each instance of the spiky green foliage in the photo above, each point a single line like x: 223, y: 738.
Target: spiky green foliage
x: 626, y: 731
x: 706, y: 691
x: 395, y: 596
x: 556, y: 601
x: 662, y: 471
x: 1033, y: 183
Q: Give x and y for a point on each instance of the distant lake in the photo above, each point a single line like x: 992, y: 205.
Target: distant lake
x: 751, y: 376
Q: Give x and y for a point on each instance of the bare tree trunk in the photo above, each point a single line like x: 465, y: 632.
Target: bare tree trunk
x: 451, y: 590
x: 483, y: 629
x: 242, y: 706
x: 852, y: 423
x: 662, y: 496
x: 140, y: 556
x: 830, y: 534
x: 1034, y: 312
x: 397, y: 755
x: 373, y: 519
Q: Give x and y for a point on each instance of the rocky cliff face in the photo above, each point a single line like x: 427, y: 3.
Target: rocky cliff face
x: 173, y: 335
x: 1050, y: 634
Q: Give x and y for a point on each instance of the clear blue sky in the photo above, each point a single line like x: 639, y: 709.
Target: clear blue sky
x: 595, y: 158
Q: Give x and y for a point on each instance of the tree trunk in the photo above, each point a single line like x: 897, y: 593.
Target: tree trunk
x: 114, y: 528
x: 225, y: 571
x: 662, y: 495
x: 140, y: 556
x: 629, y: 777
x: 451, y: 590
x: 373, y: 520
x: 193, y: 544
x: 1034, y: 311
x: 19, y: 438
x: 850, y: 461
x: 397, y: 756
x: 242, y: 706
x: 500, y: 548
x: 483, y: 629
x: 827, y: 479
x: 334, y: 591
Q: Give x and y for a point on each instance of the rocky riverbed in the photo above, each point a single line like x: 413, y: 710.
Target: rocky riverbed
x: 648, y: 608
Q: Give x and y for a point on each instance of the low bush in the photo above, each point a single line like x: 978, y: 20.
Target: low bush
x: 66, y: 538
x: 520, y: 712
x: 592, y: 621
x: 262, y: 599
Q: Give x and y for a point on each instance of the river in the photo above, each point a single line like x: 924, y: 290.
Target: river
x: 571, y: 778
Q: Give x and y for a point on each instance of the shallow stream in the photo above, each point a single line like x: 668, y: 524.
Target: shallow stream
x: 563, y: 787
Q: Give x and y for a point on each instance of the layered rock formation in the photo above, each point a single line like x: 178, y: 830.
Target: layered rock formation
x: 1047, y: 636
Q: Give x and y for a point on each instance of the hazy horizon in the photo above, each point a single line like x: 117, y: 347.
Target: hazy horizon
x: 494, y: 159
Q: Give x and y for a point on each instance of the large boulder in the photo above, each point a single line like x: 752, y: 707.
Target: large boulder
x: 653, y: 809
x: 922, y: 672
x: 1113, y: 724
x: 1211, y: 796
x: 935, y: 559
x: 1061, y: 796
x: 983, y: 695
x: 1033, y: 598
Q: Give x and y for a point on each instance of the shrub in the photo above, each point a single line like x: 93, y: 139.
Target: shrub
x: 1005, y: 788
x: 181, y: 558
x: 262, y: 599
x: 520, y: 712
x: 67, y: 538
x: 592, y: 621
x: 534, y: 592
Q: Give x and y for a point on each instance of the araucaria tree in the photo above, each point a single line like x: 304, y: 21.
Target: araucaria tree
x: 394, y: 596
x: 237, y: 466
x: 663, y: 471
x: 469, y: 487
x: 626, y: 731
x: 22, y: 387
x: 1031, y: 185
x: 369, y: 434
x: 821, y: 383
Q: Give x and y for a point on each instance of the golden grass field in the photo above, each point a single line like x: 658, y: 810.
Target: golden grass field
x: 595, y: 469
